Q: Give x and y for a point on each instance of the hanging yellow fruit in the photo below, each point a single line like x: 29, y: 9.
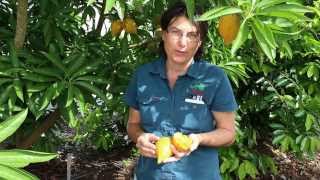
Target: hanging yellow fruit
x: 130, y: 25
x: 228, y: 27
x: 116, y: 27
x: 181, y: 142
x: 163, y: 149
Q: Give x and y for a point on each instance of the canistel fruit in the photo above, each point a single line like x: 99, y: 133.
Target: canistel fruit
x: 130, y: 25
x: 228, y: 27
x: 116, y: 27
x: 181, y: 142
x: 163, y: 149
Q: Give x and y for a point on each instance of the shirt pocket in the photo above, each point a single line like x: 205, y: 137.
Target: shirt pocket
x: 152, y: 108
x: 195, y: 117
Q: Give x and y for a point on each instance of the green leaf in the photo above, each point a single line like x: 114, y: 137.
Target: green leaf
x: 92, y: 89
x: 251, y: 169
x: 190, y: 8
x: 94, y: 79
x: 36, y: 77
x: 80, y: 100
x: 70, y: 96
x: 91, y: 2
x: 242, y: 171
x: 5, y: 94
x: 120, y: 7
x: 31, y: 87
x: 49, y: 71
x: 305, y: 143
x: 55, y: 61
x: 310, y: 71
x: 309, y: 121
x: 224, y: 166
x: 279, y: 138
x: 18, y: 89
x: 266, y: 33
x: 235, y: 164
x: 217, y: 12
x: 295, y: 8
x: 74, y: 67
x: 20, y: 158
x: 277, y: 126
x: 9, y: 126
x: 109, y: 5
x: 268, y: 3
x: 51, y: 93
x: 299, y: 113
x: 242, y: 36
x: 285, y: 14
x: 8, y: 172
x: 4, y: 80
x: 262, y: 41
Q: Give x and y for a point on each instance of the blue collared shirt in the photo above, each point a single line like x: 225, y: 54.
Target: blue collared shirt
x: 186, y: 108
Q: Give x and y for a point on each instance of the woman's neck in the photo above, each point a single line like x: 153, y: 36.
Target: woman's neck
x: 177, y: 69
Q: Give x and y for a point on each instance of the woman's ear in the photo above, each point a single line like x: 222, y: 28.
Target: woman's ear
x: 199, y: 44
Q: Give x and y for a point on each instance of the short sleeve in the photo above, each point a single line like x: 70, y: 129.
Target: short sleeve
x: 130, y: 96
x: 224, y: 100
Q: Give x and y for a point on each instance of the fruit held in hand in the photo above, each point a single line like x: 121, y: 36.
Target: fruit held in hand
x: 116, y: 27
x: 228, y: 27
x: 181, y: 142
x: 163, y: 149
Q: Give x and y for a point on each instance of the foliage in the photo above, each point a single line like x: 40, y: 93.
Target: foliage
x: 73, y: 64
x: 12, y: 160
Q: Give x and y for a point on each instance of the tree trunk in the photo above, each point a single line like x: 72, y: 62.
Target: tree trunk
x: 33, y: 138
x: 21, y: 27
x: 101, y: 18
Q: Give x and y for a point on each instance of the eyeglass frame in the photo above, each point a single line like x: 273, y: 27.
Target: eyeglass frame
x: 177, y: 34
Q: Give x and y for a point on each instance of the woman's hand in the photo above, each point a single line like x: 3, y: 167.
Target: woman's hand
x: 178, y: 155
x: 146, y: 144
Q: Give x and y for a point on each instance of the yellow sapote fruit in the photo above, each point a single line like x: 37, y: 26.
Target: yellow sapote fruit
x: 130, y: 25
x: 228, y: 27
x: 181, y: 142
x: 116, y: 27
x: 163, y: 149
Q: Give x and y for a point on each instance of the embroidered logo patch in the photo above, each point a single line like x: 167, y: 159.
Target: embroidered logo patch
x: 197, y: 91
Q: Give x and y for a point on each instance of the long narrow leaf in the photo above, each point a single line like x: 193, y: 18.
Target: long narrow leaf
x: 109, y: 5
x: 18, y: 89
x: 288, y: 8
x: 217, y: 12
x: 9, y: 126
x: 55, y: 61
x: 49, y: 71
x: 5, y: 94
x: 190, y: 8
x: 92, y: 89
x: 262, y: 42
x: 94, y: 79
x: 20, y: 158
x: 242, y: 36
x: 8, y: 172
x: 268, y: 3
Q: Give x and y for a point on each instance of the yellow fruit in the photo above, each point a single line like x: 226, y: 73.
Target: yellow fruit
x: 181, y: 142
x: 228, y: 27
x: 130, y: 25
x: 163, y: 149
x: 116, y: 27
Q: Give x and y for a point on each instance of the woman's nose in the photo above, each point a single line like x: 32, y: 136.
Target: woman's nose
x: 183, y: 40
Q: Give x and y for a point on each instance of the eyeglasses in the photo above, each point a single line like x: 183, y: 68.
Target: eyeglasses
x: 177, y: 34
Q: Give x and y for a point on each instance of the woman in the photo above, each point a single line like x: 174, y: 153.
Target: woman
x: 180, y: 93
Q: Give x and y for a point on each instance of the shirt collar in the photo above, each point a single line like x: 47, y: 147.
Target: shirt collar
x: 160, y: 68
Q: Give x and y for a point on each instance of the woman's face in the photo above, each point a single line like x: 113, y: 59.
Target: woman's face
x: 181, y: 40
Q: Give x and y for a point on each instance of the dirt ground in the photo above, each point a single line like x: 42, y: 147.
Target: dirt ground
x: 118, y: 165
